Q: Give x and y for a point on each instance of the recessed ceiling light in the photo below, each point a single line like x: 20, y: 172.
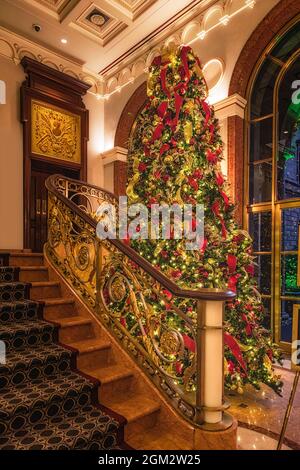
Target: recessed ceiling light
x: 63, y: 41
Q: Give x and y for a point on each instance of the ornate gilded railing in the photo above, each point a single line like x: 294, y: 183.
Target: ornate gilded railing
x: 185, y: 361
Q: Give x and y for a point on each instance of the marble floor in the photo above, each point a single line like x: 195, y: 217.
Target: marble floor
x: 260, y: 415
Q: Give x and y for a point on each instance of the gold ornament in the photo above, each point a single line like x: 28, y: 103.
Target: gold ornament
x: 133, y: 197
x: 169, y: 53
x: 178, y: 197
x: 151, y: 82
x: 168, y: 159
x: 169, y: 342
x: 188, y: 131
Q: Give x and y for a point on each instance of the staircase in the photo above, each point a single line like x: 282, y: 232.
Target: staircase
x: 61, y: 364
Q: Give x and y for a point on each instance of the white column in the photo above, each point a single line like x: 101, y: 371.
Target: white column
x: 109, y: 157
x: 213, y: 361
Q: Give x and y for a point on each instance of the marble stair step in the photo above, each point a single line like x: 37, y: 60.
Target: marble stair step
x: 44, y: 289
x: 26, y: 259
x: 116, y: 381
x: 140, y: 411
x: 33, y: 273
x: 93, y: 353
x: 75, y: 328
x: 158, y: 438
x: 59, y: 307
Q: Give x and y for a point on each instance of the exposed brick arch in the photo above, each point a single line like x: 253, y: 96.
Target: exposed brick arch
x: 261, y: 37
x: 129, y: 114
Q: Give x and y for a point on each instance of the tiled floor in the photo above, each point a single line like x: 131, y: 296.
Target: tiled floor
x: 252, y: 440
x: 262, y: 412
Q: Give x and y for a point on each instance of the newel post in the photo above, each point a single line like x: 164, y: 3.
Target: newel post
x: 210, y: 367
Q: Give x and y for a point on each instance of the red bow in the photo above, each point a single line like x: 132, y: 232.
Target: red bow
x: 183, y: 54
x: 162, y: 108
x: 235, y: 349
x: 164, y: 148
x: 231, y: 262
x: 189, y: 343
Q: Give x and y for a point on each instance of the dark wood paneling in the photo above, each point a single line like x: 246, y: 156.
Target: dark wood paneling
x: 63, y: 91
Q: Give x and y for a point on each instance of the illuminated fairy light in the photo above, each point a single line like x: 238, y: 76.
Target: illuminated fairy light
x: 224, y: 20
x: 201, y: 35
x: 250, y: 3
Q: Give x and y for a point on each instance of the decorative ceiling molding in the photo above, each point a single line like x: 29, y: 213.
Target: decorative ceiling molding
x: 136, y: 62
x: 55, y: 8
x: 117, y: 15
x: 98, y: 24
x: 15, y: 47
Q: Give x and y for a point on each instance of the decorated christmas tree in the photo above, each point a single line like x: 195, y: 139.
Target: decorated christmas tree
x: 174, y: 157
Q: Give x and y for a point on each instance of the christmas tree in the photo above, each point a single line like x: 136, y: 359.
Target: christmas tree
x: 174, y: 157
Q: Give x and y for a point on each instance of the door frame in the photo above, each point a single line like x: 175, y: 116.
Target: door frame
x: 274, y: 206
x: 59, y: 90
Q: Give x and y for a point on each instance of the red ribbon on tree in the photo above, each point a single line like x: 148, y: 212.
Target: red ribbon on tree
x: 178, y: 104
x: 250, y: 269
x: 183, y: 54
x: 204, y: 245
x: 157, y: 132
x: 212, y: 132
x: 223, y: 228
x: 189, y: 343
x: 142, y: 167
x: 162, y: 108
x: 231, y: 262
x: 225, y: 198
x: 216, y: 208
x: 233, y: 345
x: 248, y: 325
x: 206, y: 109
x: 232, y: 283
x: 164, y: 148
x: 211, y: 157
x: 219, y: 179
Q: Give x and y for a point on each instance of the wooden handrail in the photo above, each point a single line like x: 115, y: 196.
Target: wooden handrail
x: 199, y: 294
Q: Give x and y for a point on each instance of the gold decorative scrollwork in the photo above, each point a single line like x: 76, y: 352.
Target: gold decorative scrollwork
x: 127, y: 300
x: 55, y: 132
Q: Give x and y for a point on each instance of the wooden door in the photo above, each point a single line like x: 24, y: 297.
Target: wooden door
x: 39, y: 202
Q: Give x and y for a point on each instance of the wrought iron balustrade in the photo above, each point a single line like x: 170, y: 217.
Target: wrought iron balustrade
x: 183, y: 356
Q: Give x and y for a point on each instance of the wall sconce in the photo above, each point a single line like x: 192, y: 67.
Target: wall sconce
x: 2, y: 92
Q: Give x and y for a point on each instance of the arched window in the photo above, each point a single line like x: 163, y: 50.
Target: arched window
x: 273, y: 175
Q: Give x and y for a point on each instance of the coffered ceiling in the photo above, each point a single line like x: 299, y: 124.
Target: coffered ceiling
x: 94, y: 33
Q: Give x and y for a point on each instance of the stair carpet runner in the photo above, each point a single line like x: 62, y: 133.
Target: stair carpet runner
x: 45, y: 403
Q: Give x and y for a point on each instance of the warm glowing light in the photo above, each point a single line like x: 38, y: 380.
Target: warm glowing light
x: 250, y: 3
x: 201, y: 35
x: 224, y: 20
x: 64, y: 41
